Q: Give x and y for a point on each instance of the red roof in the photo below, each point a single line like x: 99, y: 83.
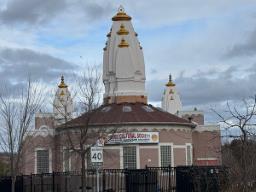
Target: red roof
x: 128, y: 113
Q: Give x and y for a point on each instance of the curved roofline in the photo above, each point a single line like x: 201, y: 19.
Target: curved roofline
x: 138, y: 115
x: 192, y: 125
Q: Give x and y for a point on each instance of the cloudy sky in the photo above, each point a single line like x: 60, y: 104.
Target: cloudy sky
x: 208, y: 46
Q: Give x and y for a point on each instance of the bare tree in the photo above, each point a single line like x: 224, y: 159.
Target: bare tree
x: 239, y: 124
x: 17, y: 114
x: 88, y: 98
x: 89, y: 90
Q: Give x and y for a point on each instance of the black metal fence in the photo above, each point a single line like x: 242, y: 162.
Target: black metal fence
x: 150, y: 179
x: 201, y: 178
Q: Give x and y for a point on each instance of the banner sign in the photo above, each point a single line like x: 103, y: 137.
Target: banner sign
x: 133, y: 137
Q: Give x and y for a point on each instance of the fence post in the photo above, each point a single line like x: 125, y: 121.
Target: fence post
x: 103, y: 180
x: 170, y: 175
x: 53, y: 181
x: 66, y: 183
x: 146, y: 178
x: 42, y: 182
x: 31, y: 182
x: 22, y: 183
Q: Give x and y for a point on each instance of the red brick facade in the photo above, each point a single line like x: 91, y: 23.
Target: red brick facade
x: 203, y: 141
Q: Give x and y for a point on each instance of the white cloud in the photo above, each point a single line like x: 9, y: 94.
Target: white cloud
x: 193, y: 38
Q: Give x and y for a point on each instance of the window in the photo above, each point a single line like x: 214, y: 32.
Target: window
x: 166, y: 157
x: 66, y: 160
x: 189, y: 158
x: 106, y: 109
x: 127, y: 108
x: 129, y: 157
x: 42, y: 161
x: 147, y: 108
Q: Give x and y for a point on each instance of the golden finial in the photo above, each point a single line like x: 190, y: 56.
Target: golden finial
x: 121, y: 15
x: 122, y: 30
x: 170, y: 83
x: 62, y: 93
x: 62, y: 83
x: 171, y: 92
x: 123, y: 43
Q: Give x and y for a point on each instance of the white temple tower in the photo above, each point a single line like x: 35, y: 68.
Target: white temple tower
x: 171, y: 99
x: 123, y: 63
x: 62, y: 105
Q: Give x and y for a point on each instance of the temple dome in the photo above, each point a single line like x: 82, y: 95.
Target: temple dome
x: 128, y: 114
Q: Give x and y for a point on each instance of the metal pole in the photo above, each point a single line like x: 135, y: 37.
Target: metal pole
x: 98, y: 183
x: 103, y: 180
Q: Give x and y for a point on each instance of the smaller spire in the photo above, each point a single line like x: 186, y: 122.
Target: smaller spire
x: 123, y: 43
x: 171, y: 92
x: 62, y: 83
x: 170, y: 83
x: 121, y: 15
x: 62, y: 93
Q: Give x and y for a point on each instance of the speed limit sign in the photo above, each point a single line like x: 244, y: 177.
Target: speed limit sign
x: 96, y: 155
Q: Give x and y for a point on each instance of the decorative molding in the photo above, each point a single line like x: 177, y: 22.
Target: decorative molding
x: 128, y: 128
x: 179, y: 146
x: 211, y: 128
x: 206, y: 158
x: 122, y: 30
x: 43, y: 131
x: 44, y: 115
x: 123, y: 43
x: 193, y: 112
x: 149, y: 147
x: 112, y: 147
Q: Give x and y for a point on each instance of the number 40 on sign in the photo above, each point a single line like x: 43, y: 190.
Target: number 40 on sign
x: 96, y: 155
